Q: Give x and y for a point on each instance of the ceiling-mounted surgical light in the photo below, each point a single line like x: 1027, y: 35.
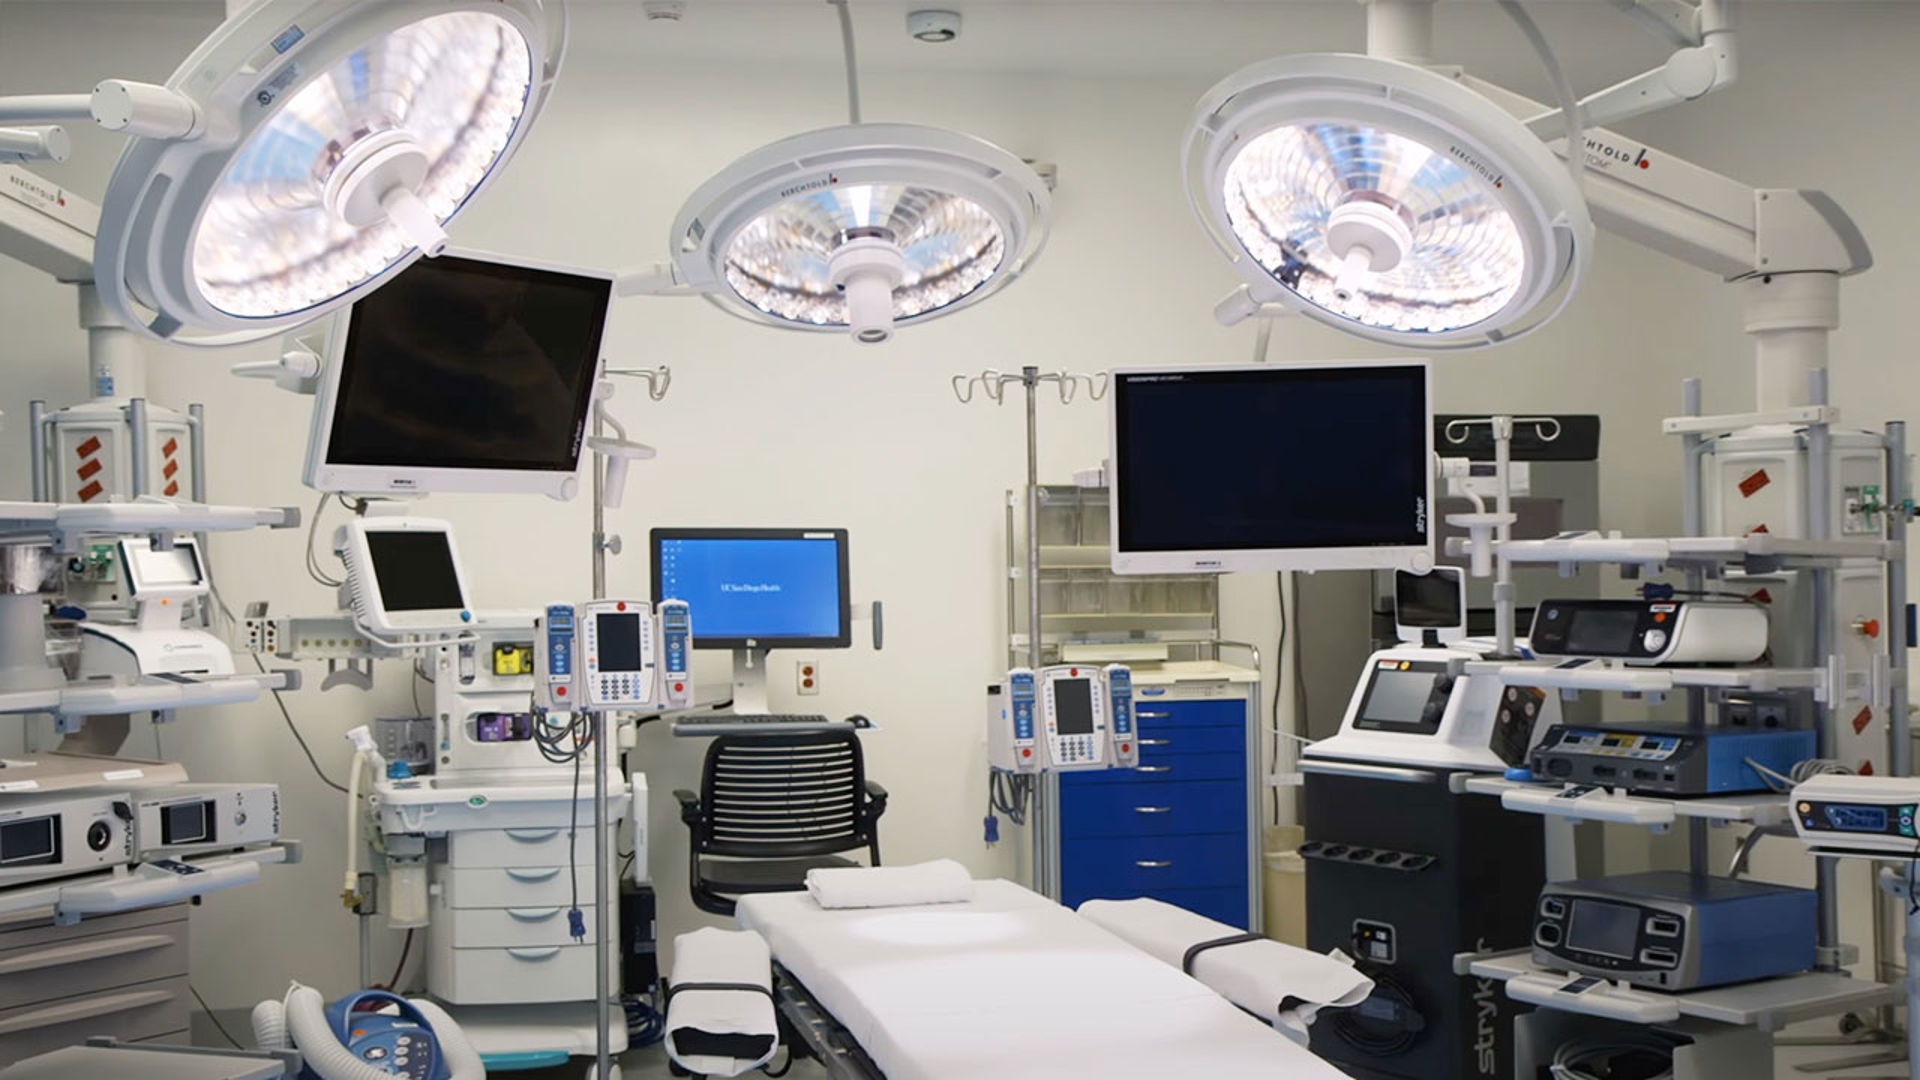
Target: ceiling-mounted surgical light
x: 1386, y: 200
x: 860, y: 227
x: 308, y: 150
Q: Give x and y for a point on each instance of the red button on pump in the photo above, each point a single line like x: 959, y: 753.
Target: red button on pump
x: 679, y: 687
x: 559, y: 691
x: 1126, y: 748
x: 621, y: 606
x: 1026, y: 753
x: 1073, y: 671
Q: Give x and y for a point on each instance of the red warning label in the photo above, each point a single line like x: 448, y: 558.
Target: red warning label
x: 88, y: 448
x: 1861, y: 721
x: 1865, y: 769
x: 90, y: 492
x: 1762, y: 596
x: 1754, y: 482
x: 1760, y: 528
x: 173, y: 445
x: 88, y: 468
x: 172, y: 467
x: 172, y: 490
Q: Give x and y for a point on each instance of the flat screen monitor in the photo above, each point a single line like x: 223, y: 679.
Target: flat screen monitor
x: 405, y: 575
x: 757, y: 588
x: 1274, y: 467
x: 461, y: 374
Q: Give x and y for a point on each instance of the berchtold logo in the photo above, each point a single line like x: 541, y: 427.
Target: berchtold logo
x: 1606, y: 154
x: 810, y: 185
x: 1487, y: 172
x: 43, y: 192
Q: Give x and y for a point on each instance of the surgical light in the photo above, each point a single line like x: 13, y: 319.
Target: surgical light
x: 318, y: 147
x: 1386, y: 200
x: 859, y: 227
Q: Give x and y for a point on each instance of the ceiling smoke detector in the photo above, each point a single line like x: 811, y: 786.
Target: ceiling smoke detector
x: 935, y: 27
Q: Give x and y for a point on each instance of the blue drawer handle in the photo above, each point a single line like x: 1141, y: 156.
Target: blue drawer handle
x: 1153, y: 809
x: 1156, y: 742
x: 1145, y: 715
x: 1154, y: 768
x: 1153, y: 864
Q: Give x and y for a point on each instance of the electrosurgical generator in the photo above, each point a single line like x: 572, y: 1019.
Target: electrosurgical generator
x: 1651, y: 632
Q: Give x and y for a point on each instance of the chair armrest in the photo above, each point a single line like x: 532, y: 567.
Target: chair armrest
x: 689, y: 806
x: 876, y: 801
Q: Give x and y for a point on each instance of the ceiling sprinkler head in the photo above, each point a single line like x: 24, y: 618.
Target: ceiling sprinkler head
x: 935, y: 27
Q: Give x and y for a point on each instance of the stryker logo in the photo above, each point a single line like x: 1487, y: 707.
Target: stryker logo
x: 1487, y: 172
x: 42, y: 192
x: 811, y: 185
x: 1486, y: 1012
x: 1606, y: 155
x: 1420, y: 514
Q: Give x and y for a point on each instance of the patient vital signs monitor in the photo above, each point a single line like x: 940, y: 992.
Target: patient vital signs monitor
x: 461, y: 374
x: 1276, y: 467
x: 403, y: 575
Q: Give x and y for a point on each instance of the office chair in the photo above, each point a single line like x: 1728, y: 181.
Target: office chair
x: 772, y: 807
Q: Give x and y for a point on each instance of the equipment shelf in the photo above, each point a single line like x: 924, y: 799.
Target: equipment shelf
x: 1552, y: 800
x: 1769, y: 1004
x: 151, y: 694
x: 148, y: 885
x: 1755, y: 553
x: 1603, y: 675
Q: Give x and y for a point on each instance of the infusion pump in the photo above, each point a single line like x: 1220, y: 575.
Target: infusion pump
x: 614, y: 654
x: 1063, y: 718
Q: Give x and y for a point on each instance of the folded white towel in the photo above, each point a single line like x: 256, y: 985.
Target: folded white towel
x: 1259, y: 976
x: 721, y: 1032
x: 941, y: 881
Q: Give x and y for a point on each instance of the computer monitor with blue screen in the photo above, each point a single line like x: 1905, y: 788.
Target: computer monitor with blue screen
x: 757, y: 589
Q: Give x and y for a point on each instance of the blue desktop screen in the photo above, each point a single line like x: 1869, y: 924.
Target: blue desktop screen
x: 755, y: 588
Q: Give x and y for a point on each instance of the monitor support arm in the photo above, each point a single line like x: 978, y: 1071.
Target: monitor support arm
x: 1785, y: 249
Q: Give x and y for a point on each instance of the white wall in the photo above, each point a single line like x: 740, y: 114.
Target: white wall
x: 773, y: 428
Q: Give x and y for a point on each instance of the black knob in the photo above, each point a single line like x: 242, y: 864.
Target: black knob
x: 99, y: 836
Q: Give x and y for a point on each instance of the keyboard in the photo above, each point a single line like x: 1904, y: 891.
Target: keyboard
x: 762, y: 724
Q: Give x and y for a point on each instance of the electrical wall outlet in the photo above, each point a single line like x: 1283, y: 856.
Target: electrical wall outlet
x: 806, y: 677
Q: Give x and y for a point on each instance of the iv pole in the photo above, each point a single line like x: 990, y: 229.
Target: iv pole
x: 994, y: 383
x: 657, y: 380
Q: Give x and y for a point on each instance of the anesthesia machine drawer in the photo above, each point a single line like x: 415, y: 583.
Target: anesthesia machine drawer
x: 514, y: 886
x: 138, y: 1013
x: 517, y: 927
x: 510, y: 976
x: 475, y: 848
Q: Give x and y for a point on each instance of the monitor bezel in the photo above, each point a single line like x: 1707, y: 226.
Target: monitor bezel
x: 1418, y: 558
x: 325, y: 476
x: 843, y: 640
x: 371, y: 606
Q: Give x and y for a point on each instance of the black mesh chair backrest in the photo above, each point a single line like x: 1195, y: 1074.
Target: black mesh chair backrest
x: 783, y: 796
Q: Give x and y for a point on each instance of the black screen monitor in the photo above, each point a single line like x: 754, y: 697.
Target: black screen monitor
x: 461, y: 374
x: 1274, y: 467
x: 757, y: 588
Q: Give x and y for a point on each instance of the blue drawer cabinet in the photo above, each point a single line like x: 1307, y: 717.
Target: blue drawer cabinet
x: 1175, y: 828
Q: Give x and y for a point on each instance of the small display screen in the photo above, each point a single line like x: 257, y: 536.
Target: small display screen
x: 187, y: 822
x: 1857, y: 818
x: 35, y: 840
x: 1607, y: 929
x: 618, y: 641
x: 1398, y: 698
x: 157, y: 569
x: 1073, y: 706
x: 770, y: 586
x: 414, y: 570
x: 1603, y: 631
x: 1428, y: 601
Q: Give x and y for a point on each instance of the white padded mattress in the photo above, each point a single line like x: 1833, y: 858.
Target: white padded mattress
x: 1011, y: 985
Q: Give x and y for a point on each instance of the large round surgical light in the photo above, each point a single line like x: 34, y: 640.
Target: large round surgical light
x: 1386, y: 200
x: 333, y: 143
x: 859, y: 227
